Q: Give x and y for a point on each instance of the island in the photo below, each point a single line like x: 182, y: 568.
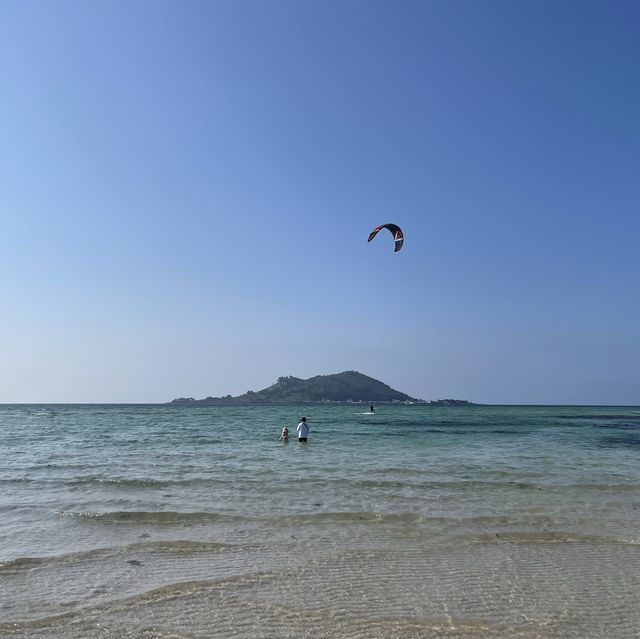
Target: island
x: 345, y: 387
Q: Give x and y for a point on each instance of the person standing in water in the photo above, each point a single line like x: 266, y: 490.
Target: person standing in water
x: 303, y: 430
x: 285, y: 435
x: 371, y: 408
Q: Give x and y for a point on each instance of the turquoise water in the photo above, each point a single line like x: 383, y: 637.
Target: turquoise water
x: 417, y: 521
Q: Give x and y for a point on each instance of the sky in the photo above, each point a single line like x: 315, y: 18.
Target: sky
x: 187, y: 188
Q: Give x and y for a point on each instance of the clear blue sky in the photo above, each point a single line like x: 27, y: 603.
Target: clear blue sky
x: 186, y: 190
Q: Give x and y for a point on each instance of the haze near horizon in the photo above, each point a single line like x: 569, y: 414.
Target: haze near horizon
x: 186, y: 192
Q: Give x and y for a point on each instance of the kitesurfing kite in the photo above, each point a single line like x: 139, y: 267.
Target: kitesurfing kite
x: 395, y: 230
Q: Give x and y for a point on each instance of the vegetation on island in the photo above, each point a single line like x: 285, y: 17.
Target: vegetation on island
x: 349, y: 386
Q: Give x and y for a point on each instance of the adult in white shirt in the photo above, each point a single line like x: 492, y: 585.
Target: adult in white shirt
x: 303, y: 430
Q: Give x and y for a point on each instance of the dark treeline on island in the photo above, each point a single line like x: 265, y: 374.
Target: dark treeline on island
x: 346, y: 387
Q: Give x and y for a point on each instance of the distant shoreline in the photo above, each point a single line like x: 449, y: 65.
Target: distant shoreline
x: 315, y: 403
x: 186, y: 401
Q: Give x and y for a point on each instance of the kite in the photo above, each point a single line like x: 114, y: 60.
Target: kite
x: 396, y: 231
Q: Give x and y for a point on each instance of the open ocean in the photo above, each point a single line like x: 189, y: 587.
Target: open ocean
x: 418, y: 521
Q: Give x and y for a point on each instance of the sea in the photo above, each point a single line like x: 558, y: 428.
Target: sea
x: 418, y: 521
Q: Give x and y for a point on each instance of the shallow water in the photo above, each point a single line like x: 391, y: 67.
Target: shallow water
x: 418, y: 521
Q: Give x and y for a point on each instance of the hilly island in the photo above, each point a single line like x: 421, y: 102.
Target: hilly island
x: 349, y: 386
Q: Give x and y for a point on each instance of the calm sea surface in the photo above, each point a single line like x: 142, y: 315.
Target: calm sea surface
x: 418, y: 521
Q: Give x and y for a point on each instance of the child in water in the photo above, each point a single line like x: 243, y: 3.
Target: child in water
x: 285, y: 435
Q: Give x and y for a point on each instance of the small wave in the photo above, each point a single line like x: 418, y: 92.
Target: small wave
x: 163, y: 546
x: 619, y: 415
x: 504, y: 431
x: 353, y: 516
x: 27, y: 563
x: 123, y: 483
x: 179, y: 545
x: 441, y: 485
x: 626, y: 440
x: 606, y: 488
x: 18, y: 480
x: 556, y: 536
x: 624, y: 426
x: 150, y: 517
x: 112, y: 483
x: 182, y: 588
x: 380, y: 483
x: 133, y: 484
x: 21, y: 563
